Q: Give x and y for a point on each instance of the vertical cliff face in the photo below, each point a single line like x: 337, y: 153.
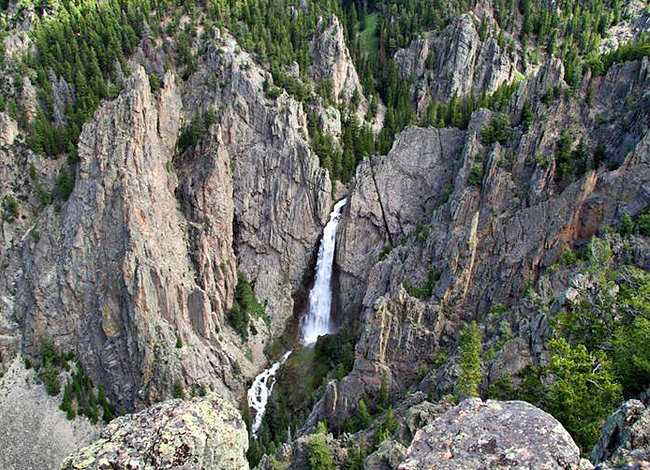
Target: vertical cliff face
x: 274, y: 195
x: 137, y: 272
x: 111, y: 277
x: 389, y: 199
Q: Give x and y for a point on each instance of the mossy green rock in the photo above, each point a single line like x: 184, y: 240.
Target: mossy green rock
x: 202, y: 433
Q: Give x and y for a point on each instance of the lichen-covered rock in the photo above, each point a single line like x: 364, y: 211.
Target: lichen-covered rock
x: 495, y: 435
x: 203, y: 433
x: 625, y: 437
x: 387, y: 456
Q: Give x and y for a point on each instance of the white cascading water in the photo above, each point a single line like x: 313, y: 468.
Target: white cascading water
x: 258, y: 394
x: 317, y: 321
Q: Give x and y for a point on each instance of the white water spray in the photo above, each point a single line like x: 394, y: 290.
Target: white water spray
x: 317, y: 321
x: 260, y: 391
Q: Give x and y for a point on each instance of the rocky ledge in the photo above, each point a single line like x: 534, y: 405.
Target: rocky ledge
x: 491, y: 434
x: 203, y: 433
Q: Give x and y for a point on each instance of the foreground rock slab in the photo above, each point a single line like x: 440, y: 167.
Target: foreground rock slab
x: 494, y: 435
x: 204, y: 433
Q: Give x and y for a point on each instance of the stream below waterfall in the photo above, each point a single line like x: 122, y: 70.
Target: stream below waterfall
x: 317, y: 321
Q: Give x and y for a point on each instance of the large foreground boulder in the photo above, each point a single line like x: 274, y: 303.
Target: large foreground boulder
x: 494, y: 435
x: 203, y: 433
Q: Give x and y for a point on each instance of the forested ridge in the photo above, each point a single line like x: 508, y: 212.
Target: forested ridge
x: 87, y: 44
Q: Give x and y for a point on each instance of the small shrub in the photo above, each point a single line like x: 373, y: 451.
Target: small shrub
x: 361, y: 419
x: 476, y: 174
x: 51, y: 380
x: 526, y: 116
x: 568, y: 257
x: 192, y: 132
x: 440, y: 360
x: 627, y: 225
x: 245, y: 306
x: 355, y: 459
x: 385, y: 251
x: 643, y: 222
x: 179, y: 389
x: 65, y: 183
x: 383, y: 398
x: 9, y: 208
x: 319, y: 454
x: 154, y: 82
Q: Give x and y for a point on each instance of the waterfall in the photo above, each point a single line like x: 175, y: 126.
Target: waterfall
x: 260, y: 391
x: 317, y: 320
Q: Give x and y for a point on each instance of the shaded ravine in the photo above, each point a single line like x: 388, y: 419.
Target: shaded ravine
x: 317, y: 321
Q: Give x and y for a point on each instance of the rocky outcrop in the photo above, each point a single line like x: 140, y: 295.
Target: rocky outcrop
x: 504, y: 218
x: 635, y: 20
x: 472, y: 435
x: 137, y: 271
x: 110, y: 277
x: 254, y: 175
x: 8, y: 130
x: 625, y: 437
x: 456, y: 62
x: 389, y: 198
x: 205, y: 433
x: 493, y: 434
x: 331, y: 61
x: 295, y: 456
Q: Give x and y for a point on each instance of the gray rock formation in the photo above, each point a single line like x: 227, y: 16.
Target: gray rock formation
x: 331, y: 61
x: 271, y: 187
x: 204, y: 433
x: 491, y: 434
x: 295, y: 456
x: 35, y: 433
x: 389, y: 197
x: 455, y: 62
x: 487, y: 240
x: 625, y: 437
x: 115, y: 252
x: 147, y: 249
x: 471, y: 435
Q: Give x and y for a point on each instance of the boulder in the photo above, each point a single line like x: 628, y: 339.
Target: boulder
x: 203, y: 433
x: 491, y: 434
x: 625, y: 438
